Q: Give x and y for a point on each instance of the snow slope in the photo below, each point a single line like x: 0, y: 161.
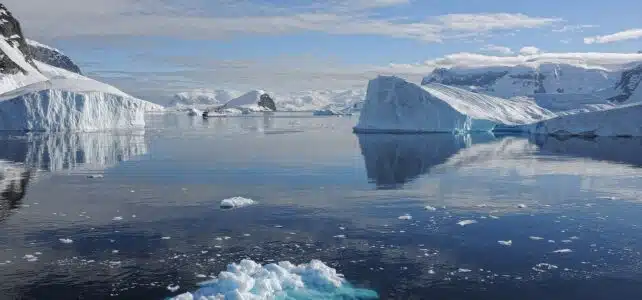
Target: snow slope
x: 395, y: 105
x: 316, y: 100
x: 203, y: 98
x: 574, y: 80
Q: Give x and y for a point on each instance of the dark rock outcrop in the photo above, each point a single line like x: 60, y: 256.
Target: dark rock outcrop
x: 51, y: 57
x: 628, y: 83
x: 10, y: 30
x: 266, y: 101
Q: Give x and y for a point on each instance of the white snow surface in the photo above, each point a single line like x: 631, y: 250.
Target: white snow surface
x: 202, y: 98
x: 248, y: 101
x: 13, y: 81
x: 395, y: 105
x: 250, y: 280
x: 236, y: 202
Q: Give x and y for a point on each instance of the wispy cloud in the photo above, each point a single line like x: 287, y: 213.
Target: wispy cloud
x: 574, y: 28
x: 198, y: 19
x: 629, y: 34
x: 529, y: 50
x: 497, y: 49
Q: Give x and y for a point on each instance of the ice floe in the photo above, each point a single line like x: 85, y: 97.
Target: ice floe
x: 236, y: 202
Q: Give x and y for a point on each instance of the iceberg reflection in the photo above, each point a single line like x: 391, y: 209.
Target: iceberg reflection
x: 13, y: 186
x: 75, y: 151
x: 612, y: 149
x: 392, y: 160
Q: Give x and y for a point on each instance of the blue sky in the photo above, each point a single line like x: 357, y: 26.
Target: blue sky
x: 173, y: 45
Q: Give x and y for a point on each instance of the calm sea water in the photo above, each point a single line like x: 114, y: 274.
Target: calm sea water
x: 571, y: 209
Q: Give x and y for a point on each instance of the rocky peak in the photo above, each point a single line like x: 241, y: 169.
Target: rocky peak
x: 628, y: 83
x: 51, y: 56
x: 266, y: 101
x: 11, y: 32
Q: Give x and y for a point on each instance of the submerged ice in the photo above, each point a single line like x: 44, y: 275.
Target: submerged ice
x: 284, y: 280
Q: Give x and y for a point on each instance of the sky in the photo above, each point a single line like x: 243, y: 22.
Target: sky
x: 154, y: 48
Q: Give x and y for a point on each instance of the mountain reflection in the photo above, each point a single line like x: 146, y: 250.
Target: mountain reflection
x: 13, y: 187
x: 612, y: 149
x: 393, y: 160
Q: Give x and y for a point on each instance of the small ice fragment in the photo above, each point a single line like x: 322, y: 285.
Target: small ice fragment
x: 226, y: 237
x: 246, y: 234
x: 464, y: 270
x: 493, y: 217
x: 563, y: 251
x: 506, y: 243
x: 536, y: 238
x: 173, y: 287
x: 544, y: 266
x: 405, y: 217
x: 66, y: 241
x: 236, y: 202
x: 132, y: 191
x: 133, y: 216
x: 466, y: 222
x: 38, y: 253
x: 566, y: 241
x: 278, y: 226
x: 219, y: 239
x: 431, y: 271
x: 201, y: 276
x: 30, y: 258
x: 342, y: 228
x: 117, y: 219
x: 551, y: 241
x: 574, y: 238
x: 114, y: 251
x: 340, y: 236
x: 166, y: 238
x: 521, y: 206
x: 430, y: 208
x: 95, y: 176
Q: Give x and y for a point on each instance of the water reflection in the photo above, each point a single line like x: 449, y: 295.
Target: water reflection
x: 13, y: 186
x: 613, y: 149
x: 75, y: 151
x: 393, y: 160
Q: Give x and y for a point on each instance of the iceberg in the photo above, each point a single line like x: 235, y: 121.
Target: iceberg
x: 283, y: 280
x: 620, y: 121
x: 394, y: 105
x: 36, y: 96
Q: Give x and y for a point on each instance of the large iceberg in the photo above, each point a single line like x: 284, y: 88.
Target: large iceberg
x: 35, y: 96
x: 394, y: 105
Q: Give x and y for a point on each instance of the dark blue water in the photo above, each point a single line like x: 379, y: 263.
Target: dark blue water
x: 315, y: 180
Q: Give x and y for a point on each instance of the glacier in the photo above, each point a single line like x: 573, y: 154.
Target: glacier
x: 394, y: 105
x: 36, y: 96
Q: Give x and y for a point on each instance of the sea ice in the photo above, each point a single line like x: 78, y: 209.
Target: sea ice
x: 430, y: 208
x: 506, y: 243
x: 405, y: 217
x: 535, y: 238
x: 466, y: 222
x: 66, y: 241
x: 563, y: 251
x: 236, y: 202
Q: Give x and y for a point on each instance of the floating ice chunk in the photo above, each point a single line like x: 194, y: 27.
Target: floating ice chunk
x: 430, y: 208
x: 574, y: 238
x: 493, y: 217
x: 166, y: 238
x: 173, y: 287
x: 543, y: 267
x: 66, y: 241
x: 566, y: 241
x: 405, y: 217
x: 117, y: 219
x: 283, y: 280
x: 464, y: 270
x: 563, y: 251
x: 114, y: 251
x: 521, y: 205
x: 466, y: 222
x: 506, y: 243
x: 95, y: 176
x: 30, y: 258
x: 536, y: 238
x: 340, y: 236
x: 236, y: 202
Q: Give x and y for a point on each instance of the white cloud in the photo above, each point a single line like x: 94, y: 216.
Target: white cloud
x: 198, y: 19
x: 497, y: 49
x: 629, y: 34
x: 574, y: 28
x: 529, y: 50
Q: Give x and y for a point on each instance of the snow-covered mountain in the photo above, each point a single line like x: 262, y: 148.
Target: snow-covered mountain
x: 51, y: 56
x: 36, y: 96
x: 316, y: 100
x: 202, y: 98
x: 556, y: 85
